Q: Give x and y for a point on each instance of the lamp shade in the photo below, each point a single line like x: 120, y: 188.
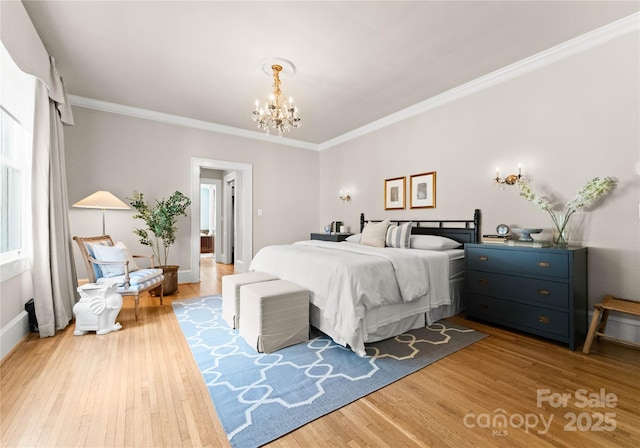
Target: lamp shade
x: 103, y: 200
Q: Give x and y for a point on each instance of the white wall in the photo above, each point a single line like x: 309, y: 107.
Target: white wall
x: 14, y: 322
x: 107, y: 151
x: 566, y: 122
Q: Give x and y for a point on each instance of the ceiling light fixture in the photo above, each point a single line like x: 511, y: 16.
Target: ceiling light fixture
x: 277, y: 114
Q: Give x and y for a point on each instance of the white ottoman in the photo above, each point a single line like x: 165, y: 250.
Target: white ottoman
x: 231, y: 293
x: 274, y: 315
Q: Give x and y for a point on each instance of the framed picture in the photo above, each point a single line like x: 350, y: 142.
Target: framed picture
x: 394, y: 193
x: 423, y: 190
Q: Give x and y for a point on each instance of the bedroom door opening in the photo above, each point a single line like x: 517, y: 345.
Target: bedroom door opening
x: 210, y: 214
x: 241, y: 220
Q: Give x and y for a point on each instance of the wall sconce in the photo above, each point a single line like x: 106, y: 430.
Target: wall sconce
x: 345, y: 197
x: 511, y: 179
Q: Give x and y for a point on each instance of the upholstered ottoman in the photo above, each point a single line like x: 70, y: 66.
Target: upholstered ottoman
x: 274, y: 315
x: 231, y: 293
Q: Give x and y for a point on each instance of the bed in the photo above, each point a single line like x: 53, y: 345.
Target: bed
x: 362, y: 294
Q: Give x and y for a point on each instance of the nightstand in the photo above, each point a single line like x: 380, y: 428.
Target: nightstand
x: 336, y: 237
x: 542, y: 291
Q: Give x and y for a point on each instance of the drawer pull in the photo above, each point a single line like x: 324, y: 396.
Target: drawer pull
x: 544, y: 292
x: 544, y: 319
x: 483, y: 306
x: 543, y: 264
x: 483, y: 281
x: 483, y: 258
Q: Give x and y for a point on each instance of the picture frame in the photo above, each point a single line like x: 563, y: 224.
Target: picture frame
x: 423, y: 190
x: 394, y: 193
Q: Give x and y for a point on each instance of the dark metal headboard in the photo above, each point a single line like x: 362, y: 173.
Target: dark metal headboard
x: 464, y: 231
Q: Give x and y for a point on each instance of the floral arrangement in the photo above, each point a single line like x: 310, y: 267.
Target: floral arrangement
x: 586, y: 196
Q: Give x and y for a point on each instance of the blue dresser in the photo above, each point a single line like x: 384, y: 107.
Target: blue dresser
x: 542, y: 291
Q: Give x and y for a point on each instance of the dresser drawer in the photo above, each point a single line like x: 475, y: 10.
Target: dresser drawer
x: 532, y: 262
x: 525, y: 317
x: 536, y: 291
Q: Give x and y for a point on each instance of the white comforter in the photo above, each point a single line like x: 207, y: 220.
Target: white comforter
x: 345, y: 279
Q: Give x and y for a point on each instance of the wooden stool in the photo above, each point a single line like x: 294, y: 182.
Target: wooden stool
x: 602, y: 309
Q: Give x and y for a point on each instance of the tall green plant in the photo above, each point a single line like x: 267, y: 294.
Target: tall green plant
x: 160, y: 219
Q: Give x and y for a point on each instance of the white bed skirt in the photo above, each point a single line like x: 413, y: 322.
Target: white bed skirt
x: 388, y: 321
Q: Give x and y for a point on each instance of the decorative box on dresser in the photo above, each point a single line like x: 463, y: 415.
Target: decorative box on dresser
x: 337, y: 237
x: 542, y: 291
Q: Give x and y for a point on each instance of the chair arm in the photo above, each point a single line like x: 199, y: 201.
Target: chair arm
x: 126, y: 268
x: 151, y: 257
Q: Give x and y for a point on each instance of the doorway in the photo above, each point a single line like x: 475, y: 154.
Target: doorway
x: 210, y: 213
x: 242, y: 222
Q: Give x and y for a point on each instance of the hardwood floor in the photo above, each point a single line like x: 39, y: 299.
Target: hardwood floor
x: 141, y: 387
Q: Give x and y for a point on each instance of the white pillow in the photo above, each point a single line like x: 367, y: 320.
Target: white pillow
x: 119, y: 252
x: 355, y: 238
x: 433, y: 242
x: 374, y: 233
x: 398, y: 236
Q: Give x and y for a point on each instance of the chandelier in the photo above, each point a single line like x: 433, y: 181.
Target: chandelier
x: 277, y: 114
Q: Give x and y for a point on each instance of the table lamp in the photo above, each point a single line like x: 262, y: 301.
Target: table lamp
x: 103, y: 200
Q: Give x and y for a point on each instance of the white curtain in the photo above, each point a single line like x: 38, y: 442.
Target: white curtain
x: 53, y: 271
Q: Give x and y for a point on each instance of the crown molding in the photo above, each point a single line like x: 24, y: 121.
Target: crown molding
x: 564, y: 50
x: 105, y: 106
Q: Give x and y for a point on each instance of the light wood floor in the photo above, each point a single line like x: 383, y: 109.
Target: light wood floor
x: 141, y: 387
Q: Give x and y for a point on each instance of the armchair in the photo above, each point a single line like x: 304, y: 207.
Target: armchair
x: 107, y: 263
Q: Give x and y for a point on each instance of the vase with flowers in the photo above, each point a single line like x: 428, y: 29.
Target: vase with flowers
x: 586, y: 196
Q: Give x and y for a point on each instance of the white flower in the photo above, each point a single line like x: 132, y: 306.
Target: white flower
x: 527, y: 193
x: 591, y: 192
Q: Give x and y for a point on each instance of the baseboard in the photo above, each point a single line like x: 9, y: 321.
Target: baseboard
x: 14, y: 332
x: 622, y: 327
x: 185, y: 276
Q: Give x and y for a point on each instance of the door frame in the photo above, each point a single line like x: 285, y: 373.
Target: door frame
x: 230, y: 212
x: 245, y: 230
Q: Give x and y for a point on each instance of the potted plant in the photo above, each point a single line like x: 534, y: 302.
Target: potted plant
x: 160, y: 233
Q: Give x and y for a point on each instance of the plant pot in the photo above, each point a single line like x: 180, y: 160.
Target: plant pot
x: 170, y: 281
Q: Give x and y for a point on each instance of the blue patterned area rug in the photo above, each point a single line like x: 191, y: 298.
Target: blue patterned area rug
x: 260, y: 397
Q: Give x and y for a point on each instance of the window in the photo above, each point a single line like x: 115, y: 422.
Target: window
x: 14, y: 144
x: 17, y: 96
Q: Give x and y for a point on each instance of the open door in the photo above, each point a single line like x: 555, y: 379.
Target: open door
x: 242, y: 222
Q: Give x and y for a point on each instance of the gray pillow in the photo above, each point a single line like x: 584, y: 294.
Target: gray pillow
x: 374, y: 233
x: 399, y: 236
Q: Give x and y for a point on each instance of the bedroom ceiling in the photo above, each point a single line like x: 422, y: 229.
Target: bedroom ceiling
x: 356, y: 61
